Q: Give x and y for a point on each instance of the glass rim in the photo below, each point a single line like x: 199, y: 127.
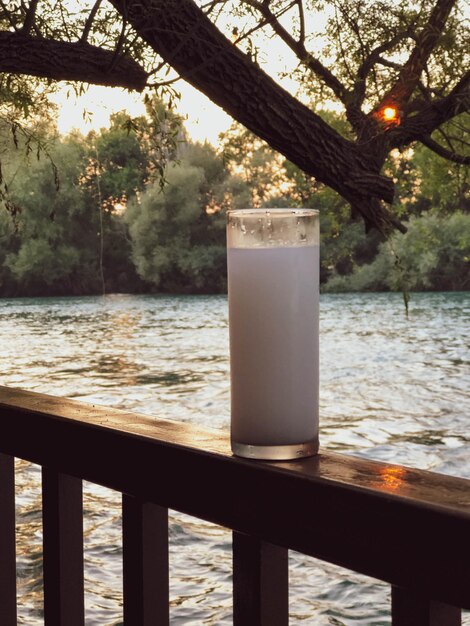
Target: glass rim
x: 284, y: 212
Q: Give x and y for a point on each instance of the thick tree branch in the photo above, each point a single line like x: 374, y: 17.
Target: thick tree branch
x: 433, y: 114
x: 62, y: 60
x: 370, y: 208
x: 443, y: 152
x: 211, y: 63
x: 426, y: 41
x: 30, y: 16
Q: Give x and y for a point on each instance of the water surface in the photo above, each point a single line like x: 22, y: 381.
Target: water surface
x: 392, y: 389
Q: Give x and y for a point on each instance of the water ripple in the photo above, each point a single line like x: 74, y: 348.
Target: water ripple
x: 392, y: 388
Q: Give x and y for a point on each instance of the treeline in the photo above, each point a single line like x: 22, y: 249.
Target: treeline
x: 138, y: 208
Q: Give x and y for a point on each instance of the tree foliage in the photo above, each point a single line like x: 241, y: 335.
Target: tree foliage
x: 110, y: 226
x: 54, y: 244
x: 178, y: 234
x: 433, y: 255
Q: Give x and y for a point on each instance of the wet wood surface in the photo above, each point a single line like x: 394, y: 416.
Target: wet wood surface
x: 402, y: 525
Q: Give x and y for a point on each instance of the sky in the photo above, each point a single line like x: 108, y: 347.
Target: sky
x: 204, y: 120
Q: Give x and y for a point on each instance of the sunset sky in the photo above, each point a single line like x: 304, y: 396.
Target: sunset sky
x: 204, y: 120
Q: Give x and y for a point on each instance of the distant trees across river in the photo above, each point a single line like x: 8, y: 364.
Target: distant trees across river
x: 139, y: 207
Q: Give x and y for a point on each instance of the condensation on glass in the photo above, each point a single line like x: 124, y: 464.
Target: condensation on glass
x: 273, y: 287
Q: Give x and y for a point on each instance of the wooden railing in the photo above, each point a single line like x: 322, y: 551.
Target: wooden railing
x: 407, y: 527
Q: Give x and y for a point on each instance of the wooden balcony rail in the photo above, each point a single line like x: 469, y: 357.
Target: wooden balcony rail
x: 407, y: 527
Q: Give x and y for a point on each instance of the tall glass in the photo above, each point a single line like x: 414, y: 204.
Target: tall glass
x: 273, y: 288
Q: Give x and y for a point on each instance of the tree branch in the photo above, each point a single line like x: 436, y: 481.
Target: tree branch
x: 426, y: 41
x: 211, y: 63
x: 60, y: 60
x: 375, y: 56
x: 300, y: 5
x: 339, y: 29
x: 29, y: 19
x: 371, y: 210
x: 264, y: 22
x: 64, y: 25
x: 119, y: 45
x: 7, y: 15
x: 299, y: 49
x: 443, y: 152
x: 89, y: 21
x: 447, y: 139
x: 433, y: 114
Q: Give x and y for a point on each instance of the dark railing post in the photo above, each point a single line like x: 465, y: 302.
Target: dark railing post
x: 62, y: 510
x: 260, y: 583
x: 409, y: 609
x: 7, y: 542
x: 145, y: 563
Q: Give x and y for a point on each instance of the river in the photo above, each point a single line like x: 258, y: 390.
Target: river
x: 392, y: 388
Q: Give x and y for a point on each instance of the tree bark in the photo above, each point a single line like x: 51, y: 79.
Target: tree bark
x: 180, y: 32
x: 433, y: 114
x: 60, y: 60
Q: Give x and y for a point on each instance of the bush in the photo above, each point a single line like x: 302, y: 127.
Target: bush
x: 433, y: 255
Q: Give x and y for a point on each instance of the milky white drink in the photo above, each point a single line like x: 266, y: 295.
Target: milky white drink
x: 273, y: 312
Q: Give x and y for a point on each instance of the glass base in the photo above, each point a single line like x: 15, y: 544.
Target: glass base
x: 275, y: 453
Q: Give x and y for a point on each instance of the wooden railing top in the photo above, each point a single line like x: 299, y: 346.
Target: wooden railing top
x: 405, y: 526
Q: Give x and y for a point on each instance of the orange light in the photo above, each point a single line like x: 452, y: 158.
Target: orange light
x: 393, y: 477
x: 390, y: 114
